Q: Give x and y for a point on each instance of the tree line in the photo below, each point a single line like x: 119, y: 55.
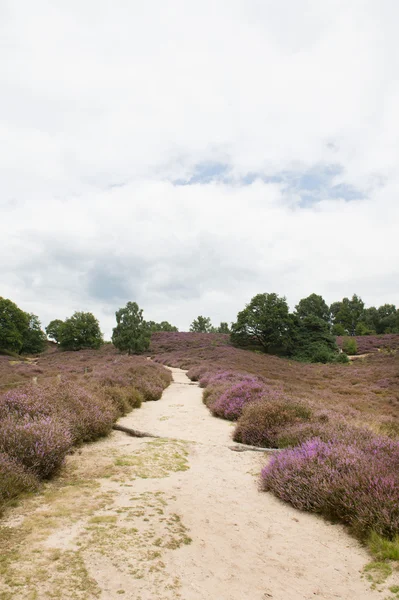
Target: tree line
x: 22, y: 333
x: 348, y: 317
x: 308, y: 333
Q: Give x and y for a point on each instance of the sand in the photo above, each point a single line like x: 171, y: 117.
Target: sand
x: 166, y: 519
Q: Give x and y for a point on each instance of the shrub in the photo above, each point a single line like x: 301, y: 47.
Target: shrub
x: 349, y: 346
x: 14, y: 479
x: 261, y: 422
x: 342, y: 358
x: 356, y: 482
x: 87, y: 416
x: 124, y: 398
x: 230, y: 403
x: 40, y: 445
x: 390, y: 428
x: 324, y: 430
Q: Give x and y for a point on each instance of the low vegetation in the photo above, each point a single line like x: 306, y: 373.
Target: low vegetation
x: 337, y: 426
x: 76, y: 399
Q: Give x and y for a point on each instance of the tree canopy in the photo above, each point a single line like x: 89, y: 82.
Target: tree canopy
x: 162, y: 326
x: 14, y: 324
x: 53, y: 330
x: 223, y: 328
x: 132, y: 334
x: 348, y: 314
x: 34, y: 340
x: 80, y: 331
x: 313, y: 306
x: 265, y: 321
x: 202, y: 325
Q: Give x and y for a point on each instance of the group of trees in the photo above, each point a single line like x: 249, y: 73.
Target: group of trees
x: 304, y: 334
x: 204, y: 325
x: 19, y: 331
x: 307, y: 333
x: 80, y: 331
x: 350, y: 317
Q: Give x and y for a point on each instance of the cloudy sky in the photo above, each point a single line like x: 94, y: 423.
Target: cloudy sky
x: 189, y: 154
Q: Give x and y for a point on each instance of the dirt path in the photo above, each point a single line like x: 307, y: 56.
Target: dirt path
x: 166, y: 519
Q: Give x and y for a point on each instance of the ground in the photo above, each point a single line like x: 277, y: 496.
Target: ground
x: 176, y: 517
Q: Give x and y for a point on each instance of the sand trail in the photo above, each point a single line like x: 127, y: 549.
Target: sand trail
x: 176, y: 518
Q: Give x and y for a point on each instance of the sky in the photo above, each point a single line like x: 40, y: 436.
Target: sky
x: 187, y: 155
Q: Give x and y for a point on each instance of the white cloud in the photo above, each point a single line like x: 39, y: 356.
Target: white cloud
x: 103, y: 105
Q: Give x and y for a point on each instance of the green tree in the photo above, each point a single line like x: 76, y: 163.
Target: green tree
x: 387, y: 319
x: 371, y: 319
x: 162, y: 326
x: 53, y: 330
x: 223, y: 328
x: 132, y: 334
x: 338, y: 329
x: 80, y: 331
x: 265, y: 321
x: 313, y: 306
x: 34, y: 339
x: 313, y: 340
x: 14, y: 323
x: 348, y: 313
x: 202, y: 325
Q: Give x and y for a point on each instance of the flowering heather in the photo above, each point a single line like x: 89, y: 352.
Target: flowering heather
x: 325, y: 414
x: 14, y: 479
x: 40, y: 445
x: 356, y: 481
x: 372, y: 343
x: 230, y: 403
x: 357, y: 391
x: 77, y: 398
x: 261, y: 423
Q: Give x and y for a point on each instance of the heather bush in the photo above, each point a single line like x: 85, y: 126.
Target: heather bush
x: 390, y: 428
x: 261, y: 423
x: 230, y: 403
x: 86, y: 415
x: 40, y: 444
x: 14, y: 479
x: 195, y: 373
x: 356, y: 481
x: 331, y: 429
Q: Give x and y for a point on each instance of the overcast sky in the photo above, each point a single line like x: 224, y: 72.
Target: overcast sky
x: 189, y: 154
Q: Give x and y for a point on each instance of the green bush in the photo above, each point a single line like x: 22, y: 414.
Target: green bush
x: 342, y: 358
x: 349, y: 346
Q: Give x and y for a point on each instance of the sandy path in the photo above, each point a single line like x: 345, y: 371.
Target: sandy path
x: 164, y: 519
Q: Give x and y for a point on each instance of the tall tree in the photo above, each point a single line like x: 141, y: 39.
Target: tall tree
x: 202, y: 325
x: 34, y: 339
x: 80, y: 331
x: 53, y: 330
x: 265, y: 321
x: 313, y: 306
x: 14, y: 324
x: 223, y: 328
x: 348, y: 313
x: 313, y: 340
x: 132, y: 334
x: 387, y: 319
